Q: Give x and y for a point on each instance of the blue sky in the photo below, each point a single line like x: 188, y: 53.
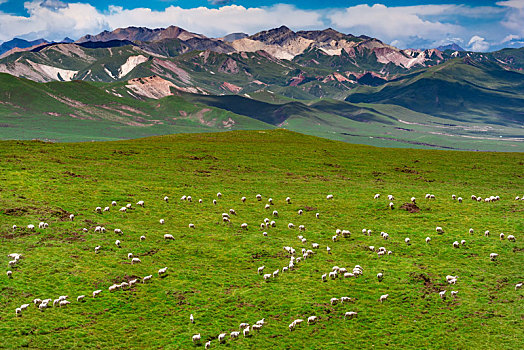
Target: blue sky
x: 478, y: 25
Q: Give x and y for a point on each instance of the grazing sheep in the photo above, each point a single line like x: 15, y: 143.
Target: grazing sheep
x: 245, y: 332
x: 391, y: 205
x: 324, y: 277
x: 459, y: 199
x: 106, y: 209
x: 413, y: 200
x: 162, y: 271
x: 142, y: 238
x: 383, y: 298
x: 117, y: 243
x: 501, y: 236
x: 118, y: 231
x: 328, y: 250
x: 140, y: 203
x: 493, y: 256
x: 147, y: 278
x: 14, y: 227
x: 275, y: 273
x: 267, y: 206
x: 31, y: 227
x: 183, y: 198
x: 301, y: 228
x: 329, y: 196
x: 350, y: 314
x: 259, y: 197
x: 377, y: 196
x: 98, y: 209
x: 24, y: 307
x: 243, y: 226
x: 135, y: 261
x: 169, y: 236
x: 234, y: 334
x: 97, y: 249
x: 518, y: 286
x: 9, y: 274
x: 129, y: 206
x: 463, y: 242
x: 511, y: 238
x: 97, y: 293
x: 72, y: 217
x: 219, y: 195
x: 380, y: 276
x: 130, y: 255
x: 290, y: 225
x: 456, y: 244
x: 123, y: 209
x: 439, y: 229
x: 333, y: 275
x: 270, y: 201
x: 267, y: 276
x: 196, y: 338
x: 80, y: 298
x: 407, y: 240
x: 232, y: 212
x: 486, y: 233
x: 442, y: 295
x: 300, y: 212
x: 390, y: 197
x: 162, y: 221
x: 189, y: 199
x: 207, y: 345
x: 243, y: 199
x: 191, y: 225
x: 428, y: 240
x: 453, y: 196
x: 166, y: 199
x: 334, y: 301
x: 18, y: 312
x: 454, y: 293
x: 312, y: 319
x: 221, y: 337
x: 64, y: 303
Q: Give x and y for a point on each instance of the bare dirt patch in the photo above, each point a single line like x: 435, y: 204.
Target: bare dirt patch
x: 411, y: 207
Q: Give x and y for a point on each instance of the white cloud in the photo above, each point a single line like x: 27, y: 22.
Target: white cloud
x: 401, y: 23
x: 510, y: 37
x: 78, y: 19
x: 478, y: 44
x: 514, y: 19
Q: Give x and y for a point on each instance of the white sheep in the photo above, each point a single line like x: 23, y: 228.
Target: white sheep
x: 301, y: 228
x: 288, y: 200
x: 9, y: 274
x: 234, y: 334
x: 118, y: 231
x: 380, y: 276
x: 98, y: 209
x: 439, y: 229
x: 196, y: 338
x: 232, y: 212
x: 142, y: 238
x: 243, y: 226
x: 463, y: 242
x: 221, y: 337
x: 191, y: 225
x: 511, y: 238
x: 350, y: 314
x: 328, y: 250
x: 259, y: 197
x: 219, y: 195
x: 459, y: 199
x: 486, y: 233
x: 191, y: 318
x: 14, y: 227
x: 245, y: 332
x: 453, y: 196
x: 413, y: 200
x: 501, y: 236
x: 166, y: 199
x: 334, y: 301
x: 147, y: 278
x: 267, y: 276
x: 135, y: 261
x: 161, y: 221
x: 275, y: 213
x: 428, y: 239
x: 390, y: 197
x: 407, y: 240
x: 290, y: 226
x: 312, y: 319
x: 442, y: 295
x: 117, y: 243
x: 123, y: 209
x: 129, y: 206
x: 140, y: 203
x: 24, y: 307
x: 106, y: 209
x: 72, y: 217
x: 162, y: 271
x: 329, y: 196
x: 275, y: 273
x: 383, y: 298
x: 64, y: 303
x: 493, y: 256
x: 391, y: 205
x: 454, y: 293
x: 207, y: 345
x: 80, y: 298
x: 518, y: 286
x: 31, y: 227
x: 97, y: 293
x: 243, y: 199
x: 377, y: 196
x: 130, y: 255
x: 18, y: 312
x: 267, y: 206
x: 456, y: 244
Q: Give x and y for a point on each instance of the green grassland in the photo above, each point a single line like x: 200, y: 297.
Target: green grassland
x: 213, y: 268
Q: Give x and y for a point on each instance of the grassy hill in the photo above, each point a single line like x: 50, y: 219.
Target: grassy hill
x: 213, y: 267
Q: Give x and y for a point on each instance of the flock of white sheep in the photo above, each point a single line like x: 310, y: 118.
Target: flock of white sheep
x: 297, y: 257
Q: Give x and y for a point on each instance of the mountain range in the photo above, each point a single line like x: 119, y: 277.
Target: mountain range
x: 322, y: 82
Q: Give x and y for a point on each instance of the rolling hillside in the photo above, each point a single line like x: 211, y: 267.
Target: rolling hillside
x: 212, y: 268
